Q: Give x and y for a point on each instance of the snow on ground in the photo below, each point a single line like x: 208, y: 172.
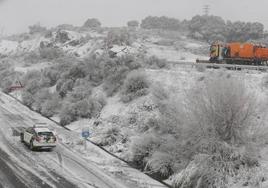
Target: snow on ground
x: 171, y: 54
x: 37, y: 67
x: 7, y: 47
x: 70, y: 154
x: 175, y: 81
x: 31, y: 45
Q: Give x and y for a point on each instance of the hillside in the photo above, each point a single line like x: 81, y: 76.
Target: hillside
x: 120, y: 83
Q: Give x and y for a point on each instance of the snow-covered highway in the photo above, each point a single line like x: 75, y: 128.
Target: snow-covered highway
x: 62, y: 167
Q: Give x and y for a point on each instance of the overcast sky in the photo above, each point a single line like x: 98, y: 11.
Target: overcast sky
x: 17, y: 15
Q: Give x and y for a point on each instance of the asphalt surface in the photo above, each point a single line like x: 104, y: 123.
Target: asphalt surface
x: 61, y: 168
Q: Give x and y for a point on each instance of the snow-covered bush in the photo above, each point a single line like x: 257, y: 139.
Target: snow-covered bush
x: 50, y: 53
x: 27, y: 98
x: 155, y: 63
x: 114, y: 81
x: 133, y: 24
x: 52, y: 75
x: 212, y: 119
x: 115, y: 72
x: 51, y: 106
x: 154, y: 22
x: 82, y: 108
x: 119, y: 37
x: 222, y: 168
x: 37, y: 28
x: 32, y: 86
x: 63, y: 86
x: 160, y: 162
x: 92, y: 23
x: 32, y: 57
x: 110, y: 136
x: 8, y: 77
x: 79, y: 93
x: 67, y: 114
x: 62, y: 36
x: 143, y: 147
x: 39, y: 98
x: 135, y: 85
x: 223, y: 107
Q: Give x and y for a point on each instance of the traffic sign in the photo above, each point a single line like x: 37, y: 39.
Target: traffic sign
x: 85, y: 132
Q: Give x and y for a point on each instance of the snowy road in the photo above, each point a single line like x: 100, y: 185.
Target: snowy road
x: 20, y: 167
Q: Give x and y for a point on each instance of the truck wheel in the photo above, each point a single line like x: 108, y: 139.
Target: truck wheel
x: 31, y: 145
x: 22, y: 137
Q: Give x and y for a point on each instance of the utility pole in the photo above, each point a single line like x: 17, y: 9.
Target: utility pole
x: 206, y: 9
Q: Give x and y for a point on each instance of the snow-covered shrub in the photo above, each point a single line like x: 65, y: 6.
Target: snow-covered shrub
x: 96, y: 106
x: 110, y: 136
x: 63, y: 86
x: 135, y: 85
x: 155, y: 63
x: 119, y: 37
x: 133, y: 24
x: 154, y: 22
x: 223, y: 107
x: 50, y: 53
x: 37, y: 28
x: 32, y: 86
x: 159, y: 93
x: 31, y: 57
x: 67, y: 114
x: 40, y: 97
x: 52, y: 75
x: 27, y: 98
x: 114, y: 82
x: 142, y: 148
x: 51, y: 106
x: 92, y: 23
x: 79, y: 93
x: 222, y: 167
x: 62, y: 36
x: 8, y: 77
x: 116, y: 75
x: 82, y: 108
x: 161, y: 163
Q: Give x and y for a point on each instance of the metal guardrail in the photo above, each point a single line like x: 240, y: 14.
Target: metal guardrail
x: 217, y: 66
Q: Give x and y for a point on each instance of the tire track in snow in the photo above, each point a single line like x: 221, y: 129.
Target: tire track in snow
x: 15, y: 118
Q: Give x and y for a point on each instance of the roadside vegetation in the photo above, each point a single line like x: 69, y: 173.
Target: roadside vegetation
x: 208, y: 137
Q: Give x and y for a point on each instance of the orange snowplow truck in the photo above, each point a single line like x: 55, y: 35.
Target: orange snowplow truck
x: 238, y: 53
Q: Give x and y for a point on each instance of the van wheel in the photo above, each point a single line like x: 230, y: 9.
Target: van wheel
x: 22, y: 137
x: 31, y: 146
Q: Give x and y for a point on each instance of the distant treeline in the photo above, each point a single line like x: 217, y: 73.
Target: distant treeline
x: 208, y: 28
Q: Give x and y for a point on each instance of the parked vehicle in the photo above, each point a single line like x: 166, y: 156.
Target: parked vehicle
x: 38, y: 138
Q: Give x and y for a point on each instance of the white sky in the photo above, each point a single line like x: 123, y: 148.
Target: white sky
x: 17, y: 15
